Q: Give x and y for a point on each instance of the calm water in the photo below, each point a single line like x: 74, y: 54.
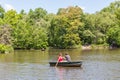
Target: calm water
x: 33, y: 65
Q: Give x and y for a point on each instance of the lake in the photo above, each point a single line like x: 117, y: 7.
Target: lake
x: 34, y: 65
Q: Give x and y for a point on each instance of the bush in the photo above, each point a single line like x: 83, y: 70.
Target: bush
x: 5, y: 48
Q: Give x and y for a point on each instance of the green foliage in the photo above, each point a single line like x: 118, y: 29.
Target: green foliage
x: 117, y: 13
x: 97, y: 25
x: 69, y: 28
x: 88, y: 37
x: 27, y: 37
x: 114, y: 35
x: 5, y: 48
x: 11, y: 18
x: 113, y: 32
x: 36, y: 15
x: 64, y: 28
x: 1, y: 22
x: 2, y: 11
x: 31, y: 35
x: 112, y: 7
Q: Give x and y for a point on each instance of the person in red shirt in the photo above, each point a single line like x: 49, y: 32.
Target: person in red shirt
x: 60, y: 58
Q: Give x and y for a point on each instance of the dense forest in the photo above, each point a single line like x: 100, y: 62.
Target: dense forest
x: 68, y: 28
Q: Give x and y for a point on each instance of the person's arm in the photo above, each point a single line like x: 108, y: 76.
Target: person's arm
x: 57, y: 62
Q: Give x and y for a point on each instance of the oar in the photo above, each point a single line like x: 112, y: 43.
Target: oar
x: 56, y: 64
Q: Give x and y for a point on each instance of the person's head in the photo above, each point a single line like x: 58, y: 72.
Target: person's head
x: 60, y: 54
x: 66, y: 53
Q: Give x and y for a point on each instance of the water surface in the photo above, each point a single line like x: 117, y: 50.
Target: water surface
x: 33, y: 65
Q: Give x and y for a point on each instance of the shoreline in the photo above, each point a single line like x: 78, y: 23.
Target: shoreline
x: 92, y: 47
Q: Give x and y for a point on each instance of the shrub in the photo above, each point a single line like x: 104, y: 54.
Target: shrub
x: 5, y: 48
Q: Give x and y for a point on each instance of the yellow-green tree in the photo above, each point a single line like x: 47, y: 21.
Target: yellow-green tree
x: 64, y: 28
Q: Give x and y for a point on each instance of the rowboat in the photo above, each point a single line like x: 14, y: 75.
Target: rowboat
x: 67, y: 64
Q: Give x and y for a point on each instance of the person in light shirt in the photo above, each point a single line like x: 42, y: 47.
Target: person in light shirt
x: 67, y: 57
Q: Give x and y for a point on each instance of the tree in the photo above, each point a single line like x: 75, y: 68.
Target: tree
x: 64, y: 28
x: 86, y: 32
x: 112, y: 7
x: 27, y: 34
x: 88, y: 37
x: 5, y: 39
x: 98, y: 24
x: 36, y: 15
x: 11, y: 18
x: 114, y: 36
x: 2, y: 11
x: 117, y: 13
x: 113, y: 11
x: 5, y: 35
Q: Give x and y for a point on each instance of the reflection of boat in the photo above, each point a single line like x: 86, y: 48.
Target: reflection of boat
x: 67, y: 64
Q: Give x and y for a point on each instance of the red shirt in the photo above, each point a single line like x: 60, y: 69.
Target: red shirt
x: 60, y: 59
